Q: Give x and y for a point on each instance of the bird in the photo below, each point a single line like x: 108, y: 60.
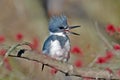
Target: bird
x: 57, y: 45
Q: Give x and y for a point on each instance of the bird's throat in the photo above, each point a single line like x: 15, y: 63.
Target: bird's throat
x: 58, y: 34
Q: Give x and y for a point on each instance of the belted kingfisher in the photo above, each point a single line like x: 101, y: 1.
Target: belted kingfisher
x: 57, y: 45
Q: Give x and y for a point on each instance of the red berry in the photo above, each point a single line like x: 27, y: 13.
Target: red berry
x: 34, y: 44
x: 7, y: 64
x: 78, y: 63
x: 19, y: 36
x: 116, y: 46
x: 110, y: 29
x: 2, y: 52
x: 2, y: 39
x: 76, y: 50
x: 109, y: 55
x: 101, y: 60
x: 53, y: 71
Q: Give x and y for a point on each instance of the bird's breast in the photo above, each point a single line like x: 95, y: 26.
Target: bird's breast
x: 59, y: 52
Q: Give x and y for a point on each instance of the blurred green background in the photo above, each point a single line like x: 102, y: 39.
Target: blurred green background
x: 31, y: 17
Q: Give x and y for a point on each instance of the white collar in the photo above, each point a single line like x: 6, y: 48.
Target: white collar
x: 58, y: 33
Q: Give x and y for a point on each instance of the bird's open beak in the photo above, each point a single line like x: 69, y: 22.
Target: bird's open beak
x: 72, y: 27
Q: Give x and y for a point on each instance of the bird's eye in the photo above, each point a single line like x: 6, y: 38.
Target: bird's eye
x: 61, y: 27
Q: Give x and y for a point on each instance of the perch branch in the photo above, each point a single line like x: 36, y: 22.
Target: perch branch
x: 65, y: 68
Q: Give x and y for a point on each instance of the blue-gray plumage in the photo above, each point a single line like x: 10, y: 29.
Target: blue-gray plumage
x: 57, y: 22
x: 57, y: 45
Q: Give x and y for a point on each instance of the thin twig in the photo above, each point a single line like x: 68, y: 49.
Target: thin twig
x: 106, y: 42
x: 93, y: 62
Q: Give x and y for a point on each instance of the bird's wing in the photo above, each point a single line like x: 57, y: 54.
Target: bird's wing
x: 46, y: 46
